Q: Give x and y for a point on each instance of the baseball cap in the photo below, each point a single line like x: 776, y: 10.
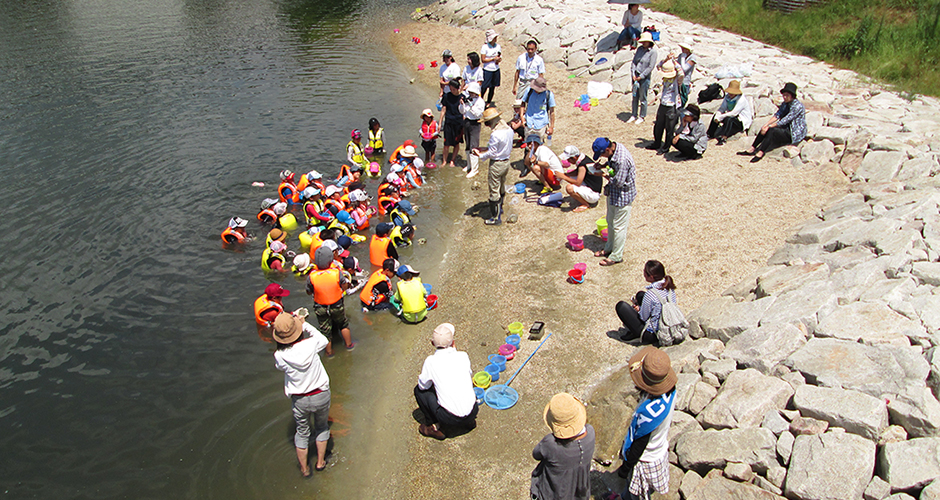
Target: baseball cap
x: 310, y: 192
x: 405, y: 268
x: 331, y: 190
x: 331, y: 245
x: 599, y: 146
x: 447, y: 53
x: 570, y: 152
x: 443, y: 335
x: 275, y: 290
x: 344, y: 241
x: 236, y: 222
x: 406, y: 206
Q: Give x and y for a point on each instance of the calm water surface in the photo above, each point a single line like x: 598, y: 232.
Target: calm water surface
x: 130, y: 131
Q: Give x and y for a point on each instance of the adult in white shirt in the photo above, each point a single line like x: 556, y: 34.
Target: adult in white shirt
x: 473, y: 71
x: 529, y: 66
x: 449, y: 69
x: 686, y: 61
x: 491, y: 55
x: 497, y: 151
x: 445, y: 387
x: 632, y: 26
x: 306, y: 383
x: 472, y: 106
x: 544, y: 163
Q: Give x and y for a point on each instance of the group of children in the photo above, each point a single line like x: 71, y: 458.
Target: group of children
x: 335, y: 213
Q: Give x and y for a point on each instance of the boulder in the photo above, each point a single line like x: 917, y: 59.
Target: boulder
x: 892, y: 434
x: 789, y: 278
x: 578, y: 60
x: 927, y: 272
x: 744, y: 399
x: 702, y: 394
x: 682, y: 422
x: 880, y: 166
x: 713, y: 449
x: 910, y: 464
x: 717, y: 487
x: 735, y: 318
x: 777, y: 475
x: 868, y: 322
x: 877, y: 489
x: 691, y: 353
x: 821, y: 231
x: 802, y: 307
x: 917, y: 168
x: 790, y: 252
x: 805, y: 426
x: 873, y: 370
x: 684, y: 390
x: 918, y: 411
x: 721, y: 368
x: 931, y: 492
x: 785, y: 446
x: 850, y: 205
x: 819, y: 151
x: 764, y: 347
x: 834, y: 135
x: 690, y: 482
x: 774, y: 422
x: 834, y: 465
x: 853, y: 411
x: 738, y: 471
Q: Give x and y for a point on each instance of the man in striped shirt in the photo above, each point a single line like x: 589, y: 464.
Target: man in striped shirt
x: 620, y: 191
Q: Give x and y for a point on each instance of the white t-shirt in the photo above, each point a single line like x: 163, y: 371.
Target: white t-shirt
x: 658, y: 447
x: 686, y: 62
x: 448, y: 371
x: 631, y: 20
x: 544, y: 153
x: 303, y: 371
x: 489, y: 51
x: 530, y: 69
x: 472, y: 75
x: 450, y: 71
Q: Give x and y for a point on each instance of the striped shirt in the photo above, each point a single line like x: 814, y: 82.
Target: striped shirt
x: 793, y: 117
x: 621, y: 189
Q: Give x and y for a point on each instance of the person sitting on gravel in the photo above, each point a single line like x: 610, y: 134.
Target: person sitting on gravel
x: 641, y: 317
x: 564, y: 469
x: 585, y: 183
x: 690, y: 139
x: 445, y: 387
x: 734, y: 115
x: 641, y: 69
x: 544, y: 163
x: 632, y: 27
x: 787, y: 126
x: 518, y: 120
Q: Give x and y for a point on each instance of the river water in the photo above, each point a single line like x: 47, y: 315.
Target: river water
x: 130, y: 132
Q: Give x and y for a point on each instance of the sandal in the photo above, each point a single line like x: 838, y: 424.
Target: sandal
x: 746, y: 153
x: 601, y: 253
x: 608, y: 262
x: 321, y: 469
x: 580, y: 208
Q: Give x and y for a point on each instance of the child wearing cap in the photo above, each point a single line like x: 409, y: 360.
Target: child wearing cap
x: 267, y: 307
x: 235, y: 232
x: 429, y: 134
x: 411, y: 295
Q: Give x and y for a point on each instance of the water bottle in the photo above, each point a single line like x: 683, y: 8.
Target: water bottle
x: 548, y: 140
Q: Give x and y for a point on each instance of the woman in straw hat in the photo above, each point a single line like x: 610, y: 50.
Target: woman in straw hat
x: 645, y: 449
x: 734, y: 114
x: 565, y: 455
x: 641, y: 69
x: 305, y: 383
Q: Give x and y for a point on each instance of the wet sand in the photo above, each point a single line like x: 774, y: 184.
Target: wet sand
x: 711, y: 222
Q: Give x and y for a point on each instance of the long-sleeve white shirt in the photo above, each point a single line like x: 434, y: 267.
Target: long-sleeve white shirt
x: 303, y: 371
x: 742, y: 109
x: 474, y: 109
x: 500, y: 145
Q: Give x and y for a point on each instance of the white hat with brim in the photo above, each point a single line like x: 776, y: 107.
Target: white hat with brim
x: 646, y: 37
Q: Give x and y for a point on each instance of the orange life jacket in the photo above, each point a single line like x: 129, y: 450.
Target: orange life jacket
x: 339, y: 204
x: 287, y: 192
x: 326, y: 289
x: 315, y: 243
x: 262, y: 305
x: 415, y: 175
x: 387, y: 202
x: 239, y: 237
x: 265, y: 214
x: 366, y: 294
x: 362, y: 211
x: 378, y: 249
x: 393, y: 158
x: 345, y: 171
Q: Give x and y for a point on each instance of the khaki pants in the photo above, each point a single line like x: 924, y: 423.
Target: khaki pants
x: 497, y: 178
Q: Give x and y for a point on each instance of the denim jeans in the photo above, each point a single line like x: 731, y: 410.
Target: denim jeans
x: 640, y: 90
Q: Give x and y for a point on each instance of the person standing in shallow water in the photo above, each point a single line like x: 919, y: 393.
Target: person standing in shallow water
x: 564, y: 469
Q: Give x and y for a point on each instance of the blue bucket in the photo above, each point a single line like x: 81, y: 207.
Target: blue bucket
x: 520, y: 187
x: 513, y: 340
x: 493, y: 370
x: 480, y: 393
x: 427, y: 288
x: 498, y: 360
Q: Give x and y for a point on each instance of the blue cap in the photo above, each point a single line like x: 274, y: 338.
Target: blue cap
x: 344, y: 241
x: 344, y: 217
x: 600, y: 144
x: 383, y: 228
x: 406, y: 206
x: 405, y: 268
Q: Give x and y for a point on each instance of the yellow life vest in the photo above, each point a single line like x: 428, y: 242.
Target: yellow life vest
x: 358, y: 155
x: 376, y: 141
x: 401, y: 214
x: 412, y: 295
x: 268, y: 256
x: 336, y: 224
x: 317, y: 207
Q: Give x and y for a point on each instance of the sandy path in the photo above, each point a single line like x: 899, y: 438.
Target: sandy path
x: 711, y: 222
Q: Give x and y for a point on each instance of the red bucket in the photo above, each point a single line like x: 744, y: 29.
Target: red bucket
x: 431, y: 301
x: 576, y: 276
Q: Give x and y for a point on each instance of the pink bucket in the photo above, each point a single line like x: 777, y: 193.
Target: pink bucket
x: 585, y: 107
x: 507, y: 350
x: 581, y: 266
x: 432, y: 166
x: 604, y: 235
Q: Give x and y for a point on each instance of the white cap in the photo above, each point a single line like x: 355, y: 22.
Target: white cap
x: 236, y: 222
x: 570, y: 152
x: 474, y: 87
x: 331, y: 190
x: 280, y: 208
x: 313, y: 174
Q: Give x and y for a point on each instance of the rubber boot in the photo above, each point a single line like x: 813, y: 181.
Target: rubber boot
x: 497, y: 211
x: 474, y: 166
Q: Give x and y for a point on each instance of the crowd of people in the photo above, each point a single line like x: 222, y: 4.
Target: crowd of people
x: 330, y: 216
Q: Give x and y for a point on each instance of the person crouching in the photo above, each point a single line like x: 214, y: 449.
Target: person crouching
x: 445, y: 387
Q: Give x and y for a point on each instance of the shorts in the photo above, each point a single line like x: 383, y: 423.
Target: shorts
x: 453, y: 132
x: 490, y: 79
x: 429, y: 146
x: 331, y: 319
x: 589, y: 195
x: 541, y: 133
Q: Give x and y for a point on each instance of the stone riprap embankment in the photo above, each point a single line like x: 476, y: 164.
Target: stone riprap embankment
x: 817, y: 376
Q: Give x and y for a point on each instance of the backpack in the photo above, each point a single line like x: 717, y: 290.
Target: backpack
x: 712, y: 92
x: 672, y: 324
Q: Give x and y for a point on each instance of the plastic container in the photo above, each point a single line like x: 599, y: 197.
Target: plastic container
x: 515, y: 328
x: 431, y: 301
x: 480, y: 393
x: 585, y: 107
x: 577, y: 103
x: 427, y: 288
x: 482, y: 379
x: 507, y: 350
x: 420, y: 66
x: 368, y: 151
x: 575, y: 243
x: 288, y: 222
x: 431, y: 165
x: 576, y: 276
x: 601, y: 225
x: 493, y: 372
x: 604, y: 234
x: 655, y: 35
x: 582, y: 266
x: 498, y: 360
x: 584, y: 99
x: 305, y: 239
x: 514, y: 340
x: 520, y: 187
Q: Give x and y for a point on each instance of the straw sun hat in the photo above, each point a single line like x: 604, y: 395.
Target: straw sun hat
x: 565, y: 416
x: 652, y: 371
x: 287, y: 328
x: 646, y: 36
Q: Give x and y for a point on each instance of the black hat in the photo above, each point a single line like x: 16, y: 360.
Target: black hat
x: 789, y: 88
x: 693, y: 111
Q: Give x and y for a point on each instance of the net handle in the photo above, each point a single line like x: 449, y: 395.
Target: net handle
x: 527, y: 360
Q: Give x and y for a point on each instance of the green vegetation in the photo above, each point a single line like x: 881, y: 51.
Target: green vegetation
x: 897, y: 41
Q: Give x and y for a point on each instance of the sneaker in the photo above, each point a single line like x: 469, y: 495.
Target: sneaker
x: 639, y: 121
x: 351, y: 346
x: 631, y: 119
x: 546, y: 190
x: 495, y: 221
x: 472, y: 173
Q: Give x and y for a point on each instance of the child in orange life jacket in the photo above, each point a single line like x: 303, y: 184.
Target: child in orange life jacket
x: 388, y: 197
x: 380, y: 246
x: 349, y: 174
x: 287, y: 191
x: 235, y: 232
x: 429, y: 134
x: 396, y: 155
x: 377, y: 292
x: 327, y: 284
x: 267, y: 307
x: 334, y: 202
x: 267, y: 215
x: 359, y: 209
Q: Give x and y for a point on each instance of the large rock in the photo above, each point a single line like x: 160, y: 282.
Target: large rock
x: 735, y: 318
x: 684, y: 390
x: 682, y: 423
x: 931, y: 492
x: 712, y: 449
x: 802, y: 307
x: 853, y: 411
x: 764, y: 347
x: 874, y: 370
x: 880, y: 166
x: 869, y: 322
x: 789, y: 278
x: 717, y: 487
x: 834, y: 135
x: 819, y: 151
x: 910, y: 464
x: 688, y: 355
x: 918, y: 411
x: 927, y: 272
x: 744, y: 399
x: 834, y: 465
x: 917, y: 168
